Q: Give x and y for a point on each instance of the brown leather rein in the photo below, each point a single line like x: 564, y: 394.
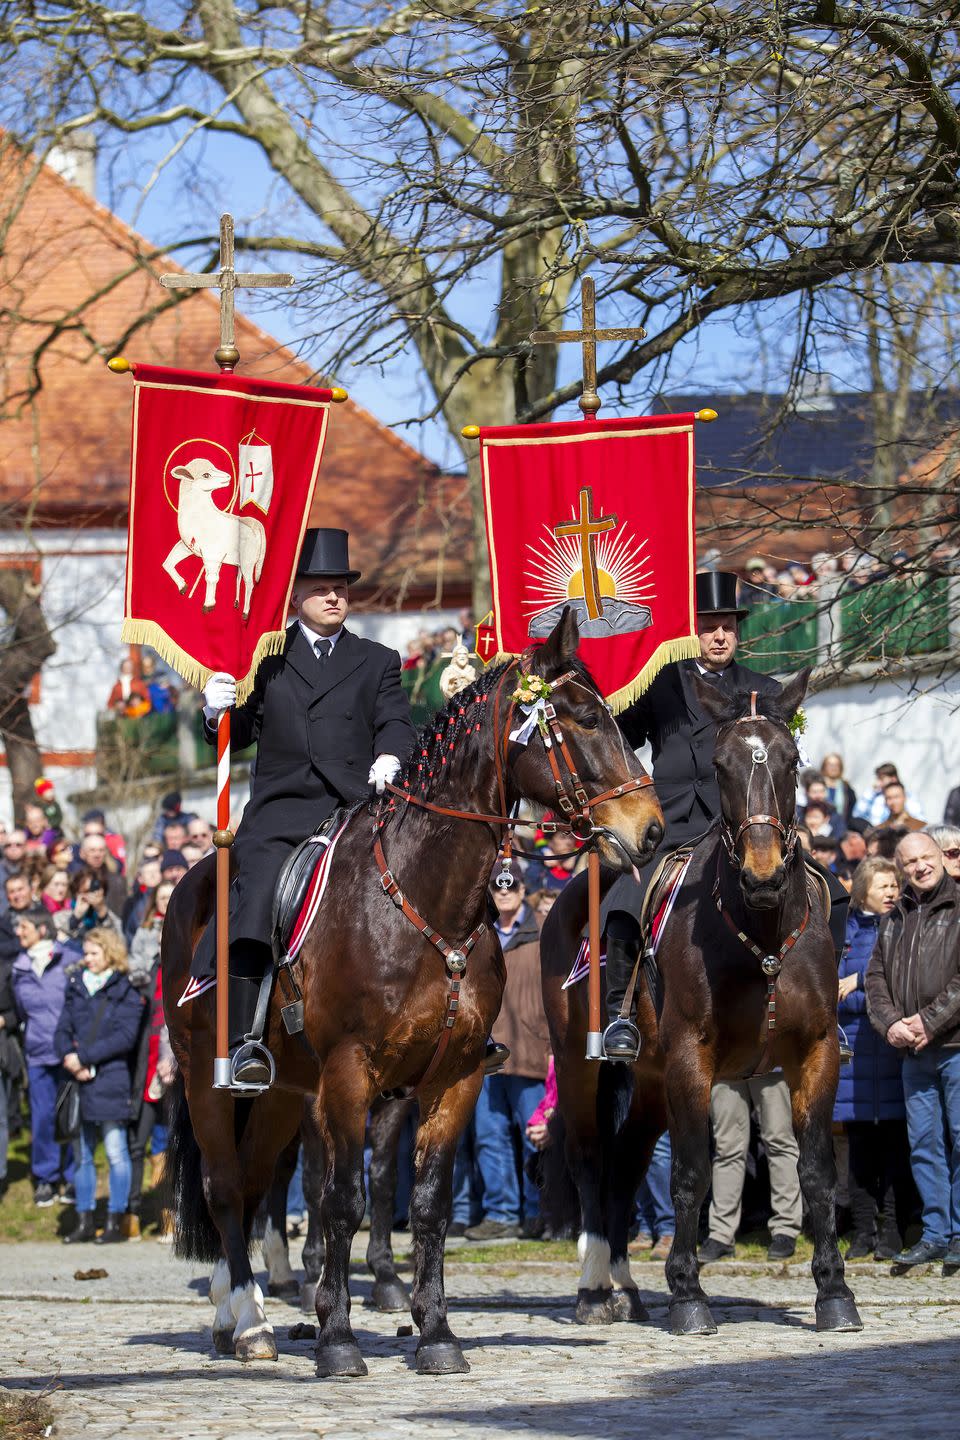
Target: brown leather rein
x: 572, y: 800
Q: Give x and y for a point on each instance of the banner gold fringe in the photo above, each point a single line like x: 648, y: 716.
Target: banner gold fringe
x: 148, y: 632
x: 685, y: 648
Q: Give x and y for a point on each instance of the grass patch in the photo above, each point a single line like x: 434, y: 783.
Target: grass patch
x: 21, y: 1220
x: 25, y: 1417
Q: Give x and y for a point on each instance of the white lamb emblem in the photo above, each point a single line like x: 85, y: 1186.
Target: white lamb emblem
x: 216, y: 537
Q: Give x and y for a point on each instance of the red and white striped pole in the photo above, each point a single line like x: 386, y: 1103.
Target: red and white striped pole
x: 223, y: 839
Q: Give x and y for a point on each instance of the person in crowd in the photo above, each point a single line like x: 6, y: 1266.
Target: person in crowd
x: 129, y: 696
x: 55, y: 890
x: 820, y: 819
x: 90, y: 909
x: 18, y: 894
x: 14, y: 849
x: 173, y: 866
x: 511, y: 1202
x: 171, y: 809
x: 94, y: 822
x: 541, y: 902
x: 870, y: 1101
x: 951, y: 810
x: 10, y: 1060
x: 948, y: 838
x: 152, y: 1072
x: 805, y: 838
x: 36, y: 827
x: 39, y: 977
x: 200, y: 832
x: 730, y: 1105
x: 898, y: 817
x: 837, y: 789
x: 654, y: 1206
x: 93, y: 855
x: 34, y: 868
x: 853, y: 847
x: 191, y: 854
x: 558, y: 857
x: 96, y: 1039
x: 145, y: 881
x: 759, y: 586
x: 60, y: 854
x: 884, y: 841
x: 913, y: 1000
x: 826, y: 850
x: 162, y: 692
x: 174, y: 835
x: 873, y: 808
x: 844, y: 872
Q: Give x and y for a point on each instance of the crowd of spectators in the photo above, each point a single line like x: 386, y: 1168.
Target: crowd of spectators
x: 765, y: 581
x: 80, y: 1000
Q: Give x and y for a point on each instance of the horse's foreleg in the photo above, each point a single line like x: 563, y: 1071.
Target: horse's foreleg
x: 688, y: 1106
x: 314, y: 1172
x: 252, y: 1337
x: 444, y: 1117
x: 585, y: 1159
x: 342, y: 1112
x: 813, y: 1086
x: 630, y: 1156
x: 276, y: 1252
x: 387, y: 1120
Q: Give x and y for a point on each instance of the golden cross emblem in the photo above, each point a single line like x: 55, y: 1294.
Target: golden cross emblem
x: 227, y: 281
x: 586, y: 528
x: 587, y: 337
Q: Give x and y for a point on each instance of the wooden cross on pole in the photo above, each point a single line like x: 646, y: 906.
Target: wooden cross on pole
x: 587, y: 337
x: 227, y: 281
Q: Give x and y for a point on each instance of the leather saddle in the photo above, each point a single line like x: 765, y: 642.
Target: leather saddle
x: 294, y: 879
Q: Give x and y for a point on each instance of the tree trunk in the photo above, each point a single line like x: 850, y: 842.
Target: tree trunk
x: 28, y: 645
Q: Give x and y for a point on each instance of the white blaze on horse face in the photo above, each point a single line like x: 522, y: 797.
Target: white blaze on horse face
x: 276, y: 1255
x: 594, y: 1253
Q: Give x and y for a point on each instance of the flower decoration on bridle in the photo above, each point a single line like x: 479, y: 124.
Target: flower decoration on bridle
x: 531, y: 696
x: 798, y: 723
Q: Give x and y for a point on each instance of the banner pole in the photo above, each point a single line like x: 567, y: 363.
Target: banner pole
x: 223, y: 839
x: 594, y: 1031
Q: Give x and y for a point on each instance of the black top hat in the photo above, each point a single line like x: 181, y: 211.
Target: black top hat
x: 325, y: 553
x: 717, y: 593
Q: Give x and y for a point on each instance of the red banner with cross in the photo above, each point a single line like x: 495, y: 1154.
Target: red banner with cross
x: 597, y: 515
x: 222, y: 475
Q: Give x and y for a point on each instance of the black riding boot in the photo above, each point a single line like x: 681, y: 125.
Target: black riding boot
x: 621, y: 1039
x: 251, y: 1059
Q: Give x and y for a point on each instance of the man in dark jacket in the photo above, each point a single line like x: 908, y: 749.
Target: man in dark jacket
x: 329, y: 719
x: 913, y: 998
x: 682, y: 736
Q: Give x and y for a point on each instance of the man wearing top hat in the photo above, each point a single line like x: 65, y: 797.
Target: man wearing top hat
x: 329, y: 719
x: 683, y: 738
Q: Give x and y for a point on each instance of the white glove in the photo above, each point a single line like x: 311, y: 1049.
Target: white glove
x: 219, y: 693
x: 384, y: 769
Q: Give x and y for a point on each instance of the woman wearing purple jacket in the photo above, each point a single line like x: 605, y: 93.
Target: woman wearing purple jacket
x: 39, y: 977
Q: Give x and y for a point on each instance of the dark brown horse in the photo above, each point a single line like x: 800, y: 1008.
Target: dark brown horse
x: 747, y: 927
x: 379, y: 992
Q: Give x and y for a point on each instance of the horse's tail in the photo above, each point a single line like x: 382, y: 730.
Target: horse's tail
x: 195, y: 1235
x: 559, y: 1201
x: 614, y: 1095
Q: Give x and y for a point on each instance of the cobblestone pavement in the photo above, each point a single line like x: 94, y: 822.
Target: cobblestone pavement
x: 131, y: 1356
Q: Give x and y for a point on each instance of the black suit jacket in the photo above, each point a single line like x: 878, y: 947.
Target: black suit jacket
x: 683, y: 736
x: 318, y: 729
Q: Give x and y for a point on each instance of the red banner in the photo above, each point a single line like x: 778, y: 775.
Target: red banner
x: 599, y: 515
x: 222, y: 476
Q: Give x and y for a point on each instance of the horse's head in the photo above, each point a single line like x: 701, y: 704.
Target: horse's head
x: 575, y: 759
x: 203, y: 475
x: 756, y: 762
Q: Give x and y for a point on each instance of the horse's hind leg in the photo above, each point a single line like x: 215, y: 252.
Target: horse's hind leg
x: 444, y: 1117
x: 688, y: 1106
x: 387, y: 1119
x: 584, y: 1148
x: 812, y: 1088
x: 276, y: 1252
x: 341, y: 1111
x: 629, y: 1155
x: 252, y: 1335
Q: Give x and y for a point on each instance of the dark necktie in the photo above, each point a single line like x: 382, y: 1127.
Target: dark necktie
x: 323, y: 647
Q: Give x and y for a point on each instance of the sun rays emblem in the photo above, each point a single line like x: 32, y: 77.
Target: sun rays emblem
x: 593, y: 564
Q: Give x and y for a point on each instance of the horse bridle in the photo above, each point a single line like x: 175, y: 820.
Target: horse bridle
x: 761, y: 760
x: 572, y: 800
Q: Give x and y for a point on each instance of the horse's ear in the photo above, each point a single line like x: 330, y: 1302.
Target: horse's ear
x: 560, y: 647
x: 711, y: 699
x: 180, y: 472
x: 792, y: 692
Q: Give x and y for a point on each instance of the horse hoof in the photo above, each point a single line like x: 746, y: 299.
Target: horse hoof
x: 443, y: 1357
x: 342, y: 1361
x: 691, y: 1317
x: 627, y: 1306
x: 839, y: 1313
x: 596, y: 1307
x: 256, y: 1345
x: 308, y: 1296
x: 284, y: 1289
x: 223, y: 1342
x: 389, y: 1295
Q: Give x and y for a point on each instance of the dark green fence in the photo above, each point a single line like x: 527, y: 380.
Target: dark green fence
x: 137, y: 749
x: 893, y: 618
x: 780, y: 636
